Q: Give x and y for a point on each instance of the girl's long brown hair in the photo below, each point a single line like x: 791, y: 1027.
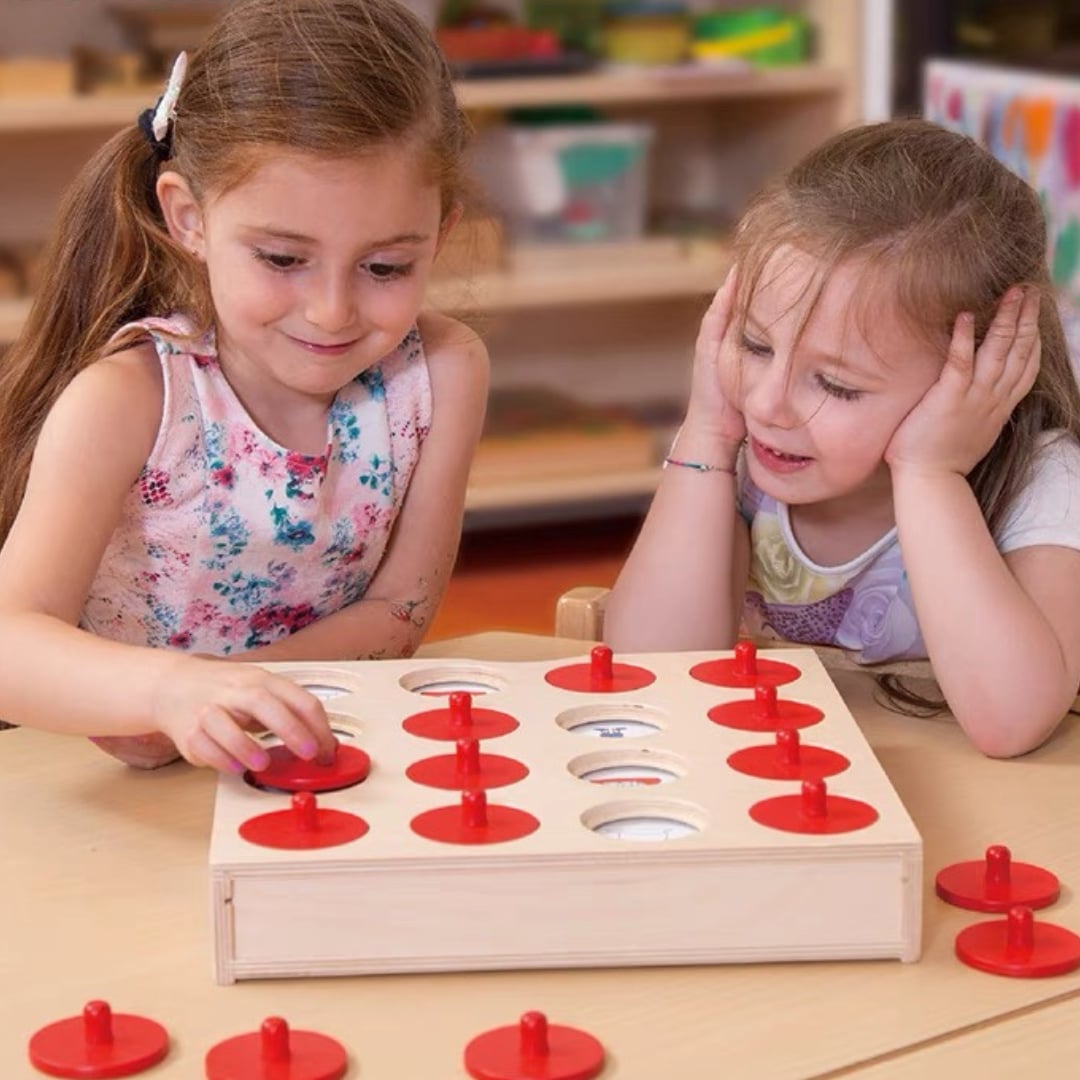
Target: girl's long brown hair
x: 334, y: 77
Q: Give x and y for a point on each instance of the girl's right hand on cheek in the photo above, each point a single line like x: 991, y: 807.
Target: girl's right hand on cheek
x: 208, y: 708
x: 711, y: 410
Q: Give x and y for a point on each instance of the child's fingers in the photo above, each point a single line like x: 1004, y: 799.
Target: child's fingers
x: 202, y: 749
x: 714, y: 324
x: 1000, y: 341
x: 1027, y: 375
x: 961, y: 356
x: 1026, y: 351
x: 312, y: 713
x: 228, y: 734
x: 287, y: 710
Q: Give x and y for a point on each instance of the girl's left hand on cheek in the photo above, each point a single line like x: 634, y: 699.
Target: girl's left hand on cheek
x: 959, y: 418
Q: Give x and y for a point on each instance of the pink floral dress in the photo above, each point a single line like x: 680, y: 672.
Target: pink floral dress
x: 229, y: 541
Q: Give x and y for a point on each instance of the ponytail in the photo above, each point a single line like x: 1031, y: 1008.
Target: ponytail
x: 110, y: 261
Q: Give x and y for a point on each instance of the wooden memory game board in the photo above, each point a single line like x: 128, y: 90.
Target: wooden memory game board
x: 676, y: 808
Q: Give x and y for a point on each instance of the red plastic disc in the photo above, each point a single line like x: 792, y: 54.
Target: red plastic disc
x: 744, y: 670
x: 287, y: 772
x: 788, y: 759
x: 460, y: 720
x: 474, y: 821
x: 276, y: 1053
x: 305, y: 826
x: 1019, y: 946
x: 98, y: 1043
x: 813, y: 810
x: 996, y: 883
x: 534, y: 1050
x: 765, y: 712
x: 467, y: 768
x: 600, y: 675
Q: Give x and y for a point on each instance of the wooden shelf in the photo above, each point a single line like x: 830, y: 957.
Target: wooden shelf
x: 562, y: 490
x: 12, y: 316
x: 622, y: 273
x: 71, y: 114
x: 604, y: 88
x: 643, y: 87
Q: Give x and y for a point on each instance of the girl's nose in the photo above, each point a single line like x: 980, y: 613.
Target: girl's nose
x: 329, y: 305
x: 768, y: 394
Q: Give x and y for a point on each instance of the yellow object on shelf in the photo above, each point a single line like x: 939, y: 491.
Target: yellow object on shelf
x: 761, y: 35
x: 646, y: 39
x: 745, y: 43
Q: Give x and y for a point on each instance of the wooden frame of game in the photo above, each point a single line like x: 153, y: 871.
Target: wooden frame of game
x: 631, y: 840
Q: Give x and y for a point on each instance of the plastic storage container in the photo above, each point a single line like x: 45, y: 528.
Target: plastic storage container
x: 567, y: 183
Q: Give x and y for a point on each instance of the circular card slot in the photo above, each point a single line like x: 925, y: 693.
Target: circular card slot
x: 645, y: 822
x: 629, y: 768
x: 437, y: 682
x: 326, y: 684
x: 614, y: 721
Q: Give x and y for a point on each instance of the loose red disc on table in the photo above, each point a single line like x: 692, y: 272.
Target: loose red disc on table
x: 534, y: 1050
x: 474, y: 821
x: 467, y: 769
x: 287, y: 772
x: 305, y: 826
x: 459, y: 720
x: 601, y: 675
x: 98, y: 1043
x: 788, y: 759
x: 1019, y: 946
x: 765, y: 712
x: 996, y: 883
x: 813, y: 811
x: 744, y: 670
x: 274, y: 1052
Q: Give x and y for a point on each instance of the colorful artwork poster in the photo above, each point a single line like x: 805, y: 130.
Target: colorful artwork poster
x: 1031, y: 122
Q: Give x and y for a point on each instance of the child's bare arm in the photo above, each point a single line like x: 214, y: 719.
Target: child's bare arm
x: 402, y: 599
x: 683, y: 584
x: 1002, y: 633
x: 60, y: 678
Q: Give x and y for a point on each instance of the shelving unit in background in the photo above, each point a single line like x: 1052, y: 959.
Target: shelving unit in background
x: 615, y: 326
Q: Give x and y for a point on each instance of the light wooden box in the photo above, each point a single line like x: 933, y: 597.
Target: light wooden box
x: 566, y: 896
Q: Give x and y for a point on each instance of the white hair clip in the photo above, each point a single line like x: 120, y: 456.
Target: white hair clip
x: 165, y: 112
x: 156, y: 123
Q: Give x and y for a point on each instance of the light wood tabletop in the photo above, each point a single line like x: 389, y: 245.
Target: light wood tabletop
x: 108, y: 898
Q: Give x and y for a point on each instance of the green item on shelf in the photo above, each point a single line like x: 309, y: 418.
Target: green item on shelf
x: 597, y: 163
x: 576, y: 23
x: 760, y: 35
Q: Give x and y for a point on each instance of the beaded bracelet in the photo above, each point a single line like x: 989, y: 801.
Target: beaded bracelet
x: 698, y: 466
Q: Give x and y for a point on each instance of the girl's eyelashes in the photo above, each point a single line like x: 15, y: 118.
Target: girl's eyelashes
x: 276, y: 260
x: 755, y: 348
x: 378, y: 271
x: 389, y: 271
x: 844, y: 393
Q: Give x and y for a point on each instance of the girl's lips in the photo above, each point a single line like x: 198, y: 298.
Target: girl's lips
x: 324, y: 350
x: 776, y: 462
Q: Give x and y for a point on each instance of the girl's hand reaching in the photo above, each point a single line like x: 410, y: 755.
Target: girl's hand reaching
x: 711, y: 412
x: 207, y: 708
x: 959, y: 418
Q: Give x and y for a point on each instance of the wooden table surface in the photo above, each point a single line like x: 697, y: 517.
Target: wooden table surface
x: 107, y: 896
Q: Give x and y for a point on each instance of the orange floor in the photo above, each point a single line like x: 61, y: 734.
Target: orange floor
x: 511, y: 579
